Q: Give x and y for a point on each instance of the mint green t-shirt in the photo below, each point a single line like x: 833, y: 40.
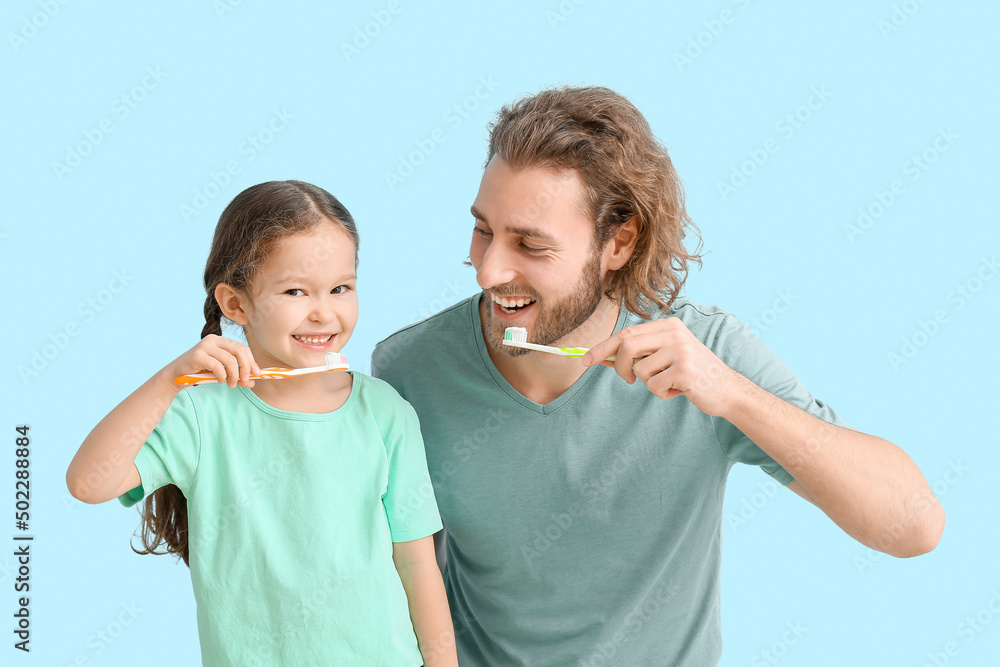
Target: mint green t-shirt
x: 292, y: 516
x: 587, y: 531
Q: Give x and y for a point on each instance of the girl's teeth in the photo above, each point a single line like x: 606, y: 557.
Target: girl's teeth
x: 312, y: 341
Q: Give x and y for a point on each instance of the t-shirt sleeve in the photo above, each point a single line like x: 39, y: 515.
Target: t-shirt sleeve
x: 170, y: 455
x: 742, y: 351
x: 409, y: 501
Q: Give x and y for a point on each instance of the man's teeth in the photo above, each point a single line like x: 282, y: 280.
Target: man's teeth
x: 312, y: 340
x: 512, y: 303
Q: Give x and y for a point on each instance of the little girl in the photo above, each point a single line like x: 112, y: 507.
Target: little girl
x: 303, y: 505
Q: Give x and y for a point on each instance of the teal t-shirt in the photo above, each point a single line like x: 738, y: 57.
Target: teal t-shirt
x: 292, y: 516
x: 587, y: 531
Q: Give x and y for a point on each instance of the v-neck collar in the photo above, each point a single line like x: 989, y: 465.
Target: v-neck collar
x: 501, y: 381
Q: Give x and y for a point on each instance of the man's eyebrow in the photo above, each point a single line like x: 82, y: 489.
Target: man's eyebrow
x: 528, y: 232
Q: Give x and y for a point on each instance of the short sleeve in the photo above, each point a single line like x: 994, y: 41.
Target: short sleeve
x: 410, y: 506
x: 742, y: 351
x: 170, y: 455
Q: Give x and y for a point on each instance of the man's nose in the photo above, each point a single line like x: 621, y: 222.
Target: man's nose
x: 496, y: 268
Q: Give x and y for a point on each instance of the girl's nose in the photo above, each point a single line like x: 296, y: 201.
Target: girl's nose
x: 322, y: 311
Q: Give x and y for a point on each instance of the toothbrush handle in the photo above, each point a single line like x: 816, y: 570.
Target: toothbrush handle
x: 274, y: 373
x: 559, y: 351
x: 587, y: 349
x: 195, y: 379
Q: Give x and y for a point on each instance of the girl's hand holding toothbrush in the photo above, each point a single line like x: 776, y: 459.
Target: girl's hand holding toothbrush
x: 104, y: 466
x: 231, y: 362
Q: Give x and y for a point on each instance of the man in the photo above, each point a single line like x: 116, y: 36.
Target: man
x: 577, y: 496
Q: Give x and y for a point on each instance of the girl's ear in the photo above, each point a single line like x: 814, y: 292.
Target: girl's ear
x: 232, y: 303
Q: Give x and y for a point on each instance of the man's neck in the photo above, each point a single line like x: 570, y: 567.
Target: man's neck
x: 542, y: 377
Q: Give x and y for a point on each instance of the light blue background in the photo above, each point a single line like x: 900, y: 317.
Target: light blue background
x: 778, y: 242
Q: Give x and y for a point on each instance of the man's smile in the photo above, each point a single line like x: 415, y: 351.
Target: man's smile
x: 511, y: 304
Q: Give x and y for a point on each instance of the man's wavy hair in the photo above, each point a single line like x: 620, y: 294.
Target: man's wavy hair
x: 627, y: 173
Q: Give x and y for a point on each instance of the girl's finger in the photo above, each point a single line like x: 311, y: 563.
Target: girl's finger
x: 230, y: 363
x: 216, y: 367
x: 243, y: 354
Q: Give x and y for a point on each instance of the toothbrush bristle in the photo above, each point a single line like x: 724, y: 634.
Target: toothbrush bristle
x: 516, y: 334
x: 333, y: 358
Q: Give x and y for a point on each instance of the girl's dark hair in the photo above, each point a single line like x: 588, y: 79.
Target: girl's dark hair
x: 251, y: 226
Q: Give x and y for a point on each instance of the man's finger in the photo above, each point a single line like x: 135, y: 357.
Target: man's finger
x: 606, y: 348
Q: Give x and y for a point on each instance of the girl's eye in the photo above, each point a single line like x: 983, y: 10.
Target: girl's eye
x: 339, y: 289
x: 294, y: 289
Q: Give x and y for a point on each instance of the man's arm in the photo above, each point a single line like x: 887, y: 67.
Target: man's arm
x: 866, y: 485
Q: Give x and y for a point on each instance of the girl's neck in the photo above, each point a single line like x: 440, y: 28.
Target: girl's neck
x: 317, y: 393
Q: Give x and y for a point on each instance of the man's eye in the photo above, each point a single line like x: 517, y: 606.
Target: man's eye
x: 485, y: 233
x: 529, y: 248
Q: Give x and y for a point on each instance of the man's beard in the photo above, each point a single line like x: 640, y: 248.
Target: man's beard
x: 555, y: 320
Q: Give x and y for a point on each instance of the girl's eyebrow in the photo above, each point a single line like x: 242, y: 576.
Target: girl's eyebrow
x: 305, y: 279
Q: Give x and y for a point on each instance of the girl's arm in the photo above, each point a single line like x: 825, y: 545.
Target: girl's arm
x: 429, y: 613
x: 104, y: 467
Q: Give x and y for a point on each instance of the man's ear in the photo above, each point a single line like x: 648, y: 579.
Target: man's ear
x: 232, y: 303
x: 621, y: 246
